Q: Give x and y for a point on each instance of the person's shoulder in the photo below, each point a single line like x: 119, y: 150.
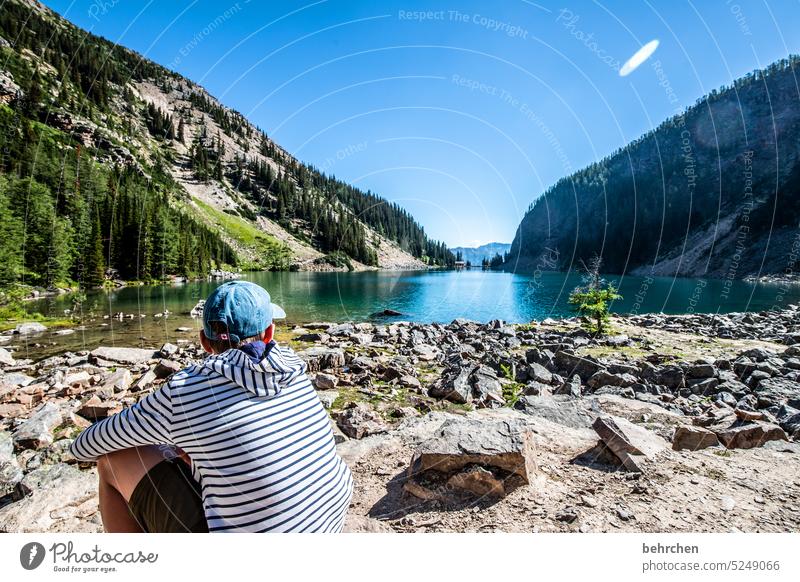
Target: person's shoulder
x: 188, y: 375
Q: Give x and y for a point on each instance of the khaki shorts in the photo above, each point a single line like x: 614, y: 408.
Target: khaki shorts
x: 168, y: 500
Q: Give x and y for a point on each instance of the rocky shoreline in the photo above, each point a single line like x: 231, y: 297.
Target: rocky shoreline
x: 476, y: 427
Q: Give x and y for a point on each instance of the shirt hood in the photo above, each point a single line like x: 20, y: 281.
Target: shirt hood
x: 265, y: 377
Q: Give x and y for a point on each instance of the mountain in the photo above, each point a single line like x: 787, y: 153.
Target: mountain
x: 712, y: 192
x: 476, y: 255
x: 113, y: 164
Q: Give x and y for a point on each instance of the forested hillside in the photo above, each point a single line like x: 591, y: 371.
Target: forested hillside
x: 712, y: 192
x: 114, y: 166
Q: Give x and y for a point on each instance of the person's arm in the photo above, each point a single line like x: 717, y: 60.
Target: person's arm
x: 145, y: 423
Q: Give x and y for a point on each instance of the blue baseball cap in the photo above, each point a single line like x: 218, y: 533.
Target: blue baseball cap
x: 245, y: 308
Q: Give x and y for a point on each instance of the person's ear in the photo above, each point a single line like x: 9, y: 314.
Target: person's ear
x: 206, y: 345
x: 268, y: 333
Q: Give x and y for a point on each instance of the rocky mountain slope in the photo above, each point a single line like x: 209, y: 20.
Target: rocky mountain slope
x: 713, y: 192
x: 81, y: 103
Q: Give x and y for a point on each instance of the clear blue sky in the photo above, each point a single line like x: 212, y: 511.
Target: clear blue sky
x: 463, y: 115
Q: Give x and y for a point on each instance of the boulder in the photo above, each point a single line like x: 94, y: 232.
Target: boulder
x: 37, y: 431
x: 96, y: 409
x: 504, y: 445
x: 166, y: 368
x: 539, y: 373
x: 571, y: 387
x: 670, y: 376
x: 30, y: 328
x: 119, y: 381
x: 324, y: 381
x: 10, y: 472
x: 486, y: 388
x: 693, y: 438
x: 122, y: 355
x: 320, y: 358
x: 750, y: 435
x: 425, y: 352
x: 605, y: 378
x: 6, y: 359
x: 145, y: 380
x: 454, y: 384
x: 572, y: 364
x: 701, y: 371
x: 168, y: 350
x: 776, y: 391
x: 360, y: 420
x: 632, y: 444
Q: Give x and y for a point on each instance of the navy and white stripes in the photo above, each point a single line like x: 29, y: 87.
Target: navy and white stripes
x: 259, y: 438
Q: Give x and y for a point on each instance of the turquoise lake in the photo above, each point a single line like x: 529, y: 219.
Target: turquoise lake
x: 424, y: 296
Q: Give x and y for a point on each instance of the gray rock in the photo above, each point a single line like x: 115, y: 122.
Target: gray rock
x: 10, y: 471
x: 360, y: 420
x: 168, y: 350
x: 324, y: 381
x: 122, y: 355
x: 321, y: 358
x: 571, y: 387
x: 30, y: 328
x: 701, y: 371
x: 507, y: 445
x: 563, y: 410
x: 670, y: 376
x: 119, y: 381
x: 486, y: 388
x: 750, y: 435
x: 776, y: 391
x: 537, y: 389
x: 166, y: 368
x: 454, y: 385
x: 6, y: 359
x: 693, y: 438
x: 632, y: 444
x: 539, y: 373
x: 37, y: 431
x: 604, y: 378
x: 59, y: 499
x: 572, y: 364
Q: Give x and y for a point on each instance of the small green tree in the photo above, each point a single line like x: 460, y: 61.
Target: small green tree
x: 591, y: 300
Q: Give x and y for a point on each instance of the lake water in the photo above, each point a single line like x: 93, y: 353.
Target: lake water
x: 432, y: 296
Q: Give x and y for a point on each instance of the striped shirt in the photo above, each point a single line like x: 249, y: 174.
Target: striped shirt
x: 260, y: 442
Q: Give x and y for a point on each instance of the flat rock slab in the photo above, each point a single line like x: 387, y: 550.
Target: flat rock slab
x: 631, y: 443
x: 751, y: 435
x: 122, y: 355
x: 507, y: 445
